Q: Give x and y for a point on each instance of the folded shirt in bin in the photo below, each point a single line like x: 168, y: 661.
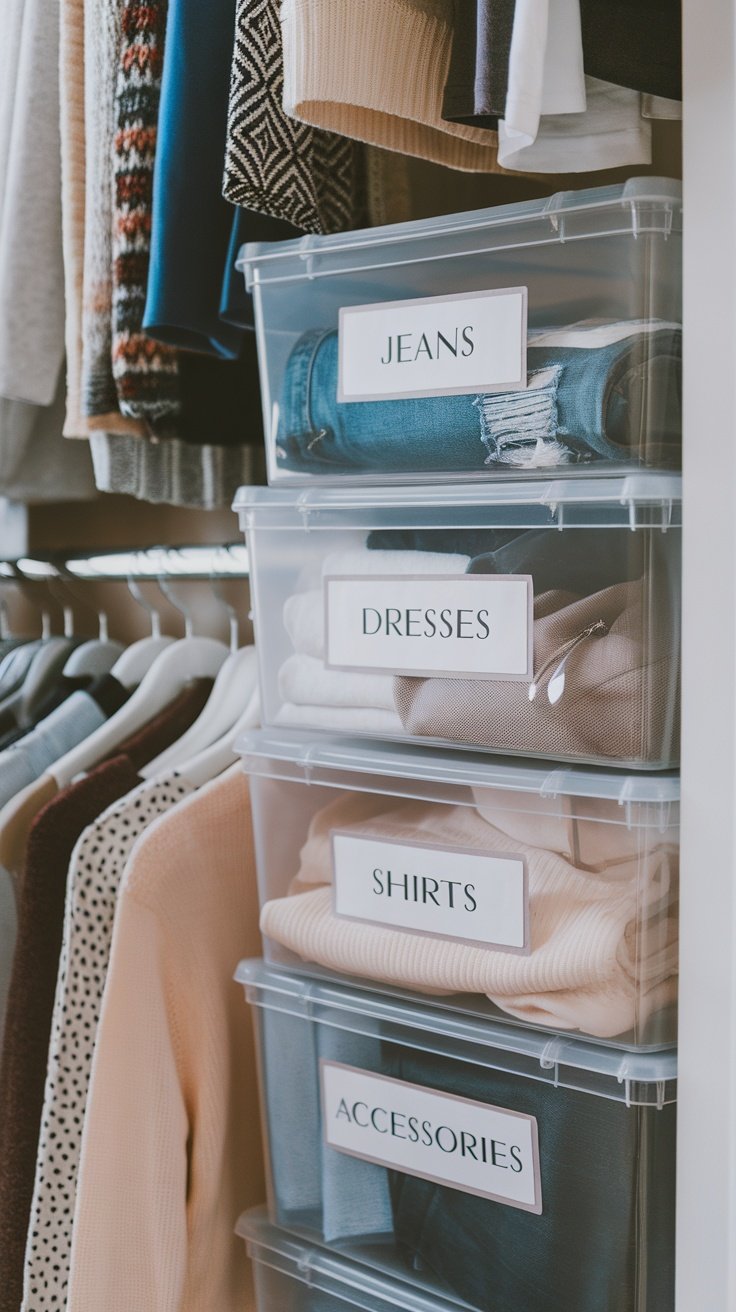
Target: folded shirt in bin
x: 603, y: 914
x: 588, y: 386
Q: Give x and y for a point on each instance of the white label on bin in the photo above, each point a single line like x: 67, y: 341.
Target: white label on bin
x: 445, y: 625
x: 433, y: 346
x: 432, y: 889
x: 472, y: 1146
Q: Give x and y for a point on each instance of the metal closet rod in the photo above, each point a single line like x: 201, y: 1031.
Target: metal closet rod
x: 193, y: 562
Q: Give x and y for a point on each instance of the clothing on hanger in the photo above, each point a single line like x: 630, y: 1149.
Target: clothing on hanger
x: 171, y: 1148
x: 94, y: 876
x: 309, y: 178
x: 52, y: 835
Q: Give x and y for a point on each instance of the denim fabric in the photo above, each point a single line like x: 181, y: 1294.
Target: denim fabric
x: 580, y: 560
x: 605, y: 1238
x: 612, y: 402
x: 314, y: 1185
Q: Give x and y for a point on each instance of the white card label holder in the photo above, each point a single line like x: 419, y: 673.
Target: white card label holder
x: 475, y: 1147
x: 452, y: 345
x: 446, y: 892
x: 453, y: 626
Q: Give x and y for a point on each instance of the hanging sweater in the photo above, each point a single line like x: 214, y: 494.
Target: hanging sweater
x: 171, y: 1150
x: 145, y: 371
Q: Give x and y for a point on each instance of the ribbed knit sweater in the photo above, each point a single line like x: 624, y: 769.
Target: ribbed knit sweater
x: 171, y: 1152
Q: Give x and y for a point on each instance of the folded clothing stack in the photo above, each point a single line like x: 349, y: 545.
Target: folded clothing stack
x: 320, y: 698
x: 595, y: 391
x: 604, y: 604
x: 603, y: 936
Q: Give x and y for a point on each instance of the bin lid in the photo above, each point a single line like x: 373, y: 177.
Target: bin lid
x: 335, y: 1273
x: 323, y: 759
x: 638, y: 1079
x: 636, y: 207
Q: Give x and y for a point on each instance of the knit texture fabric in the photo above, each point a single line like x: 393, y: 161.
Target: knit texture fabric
x: 377, y: 72
x: 171, y: 1151
x: 603, y: 945
x: 31, y: 263
x: 145, y: 372
x: 71, y: 104
x: 273, y: 164
x: 102, y: 40
x: 95, y: 872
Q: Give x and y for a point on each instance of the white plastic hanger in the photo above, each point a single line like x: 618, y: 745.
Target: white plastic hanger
x: 96, y: 656
x: 208, y: 764
x: 137, y: 660
x: 190, y: 658
x: 233, y: 690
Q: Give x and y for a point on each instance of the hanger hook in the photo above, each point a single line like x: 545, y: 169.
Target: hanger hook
x: 153, y: 613
x: 232, y: 614
x: 25, y: 588
x: 64, y: 575
x: 167, y: 590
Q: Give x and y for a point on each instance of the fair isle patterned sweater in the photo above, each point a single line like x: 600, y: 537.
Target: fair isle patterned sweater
x: 145, y: 371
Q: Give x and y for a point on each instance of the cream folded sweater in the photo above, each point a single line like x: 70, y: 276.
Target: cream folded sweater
x: 375, y: 70
x: 171, y: 1153
x: 603, y: 946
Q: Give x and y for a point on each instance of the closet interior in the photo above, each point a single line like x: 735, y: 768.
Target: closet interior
x: 343, y: 555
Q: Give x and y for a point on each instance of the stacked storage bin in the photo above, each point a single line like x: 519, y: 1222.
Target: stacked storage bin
x: 466, y: 583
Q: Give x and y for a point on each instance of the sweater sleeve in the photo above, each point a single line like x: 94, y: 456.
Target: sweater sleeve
x: 129, y: 1249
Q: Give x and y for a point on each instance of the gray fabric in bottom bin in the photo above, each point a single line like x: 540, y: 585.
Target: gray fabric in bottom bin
x: 307, y: 1175
x: 356, y: 1198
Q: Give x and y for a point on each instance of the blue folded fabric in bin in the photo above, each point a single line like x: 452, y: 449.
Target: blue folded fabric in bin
x: 605, y: 1237
x: 595, y: 392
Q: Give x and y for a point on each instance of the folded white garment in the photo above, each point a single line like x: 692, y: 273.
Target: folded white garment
x: 603, y: 953
x: 307, y: 682
x: 304, y: 621
x: 610, y: 134
x: 303, y: 614
x: 340, y: 719
x: 545, y: 73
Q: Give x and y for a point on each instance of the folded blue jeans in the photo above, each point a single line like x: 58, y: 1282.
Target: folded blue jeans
x: 617, y: 402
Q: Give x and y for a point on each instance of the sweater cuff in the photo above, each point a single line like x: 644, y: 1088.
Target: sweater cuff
x: 376, y: 72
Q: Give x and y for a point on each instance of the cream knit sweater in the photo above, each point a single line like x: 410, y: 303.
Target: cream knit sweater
x: 171, y: 1153
x: 376, y: 70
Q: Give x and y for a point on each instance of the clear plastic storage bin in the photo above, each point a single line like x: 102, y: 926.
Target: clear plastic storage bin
x: 510, y: 1169
x: 503, y: 340
x: 293, y: 1276
x: 541, y: 896
x: 539, y: 619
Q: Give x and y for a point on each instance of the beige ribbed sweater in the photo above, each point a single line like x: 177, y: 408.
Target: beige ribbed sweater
x: 171, y: 1153
x: 603, y: 953
x: 376, y: 70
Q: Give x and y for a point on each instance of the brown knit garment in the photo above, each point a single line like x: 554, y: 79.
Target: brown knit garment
x: 51, y: 842
x: 620, y: 695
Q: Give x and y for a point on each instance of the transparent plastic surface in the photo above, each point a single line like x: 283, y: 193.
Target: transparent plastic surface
x: 608, y: 258
x: 354, y: 588
x: 543, y: 896
x: 293, y: 1276
x: 600, y: 1232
